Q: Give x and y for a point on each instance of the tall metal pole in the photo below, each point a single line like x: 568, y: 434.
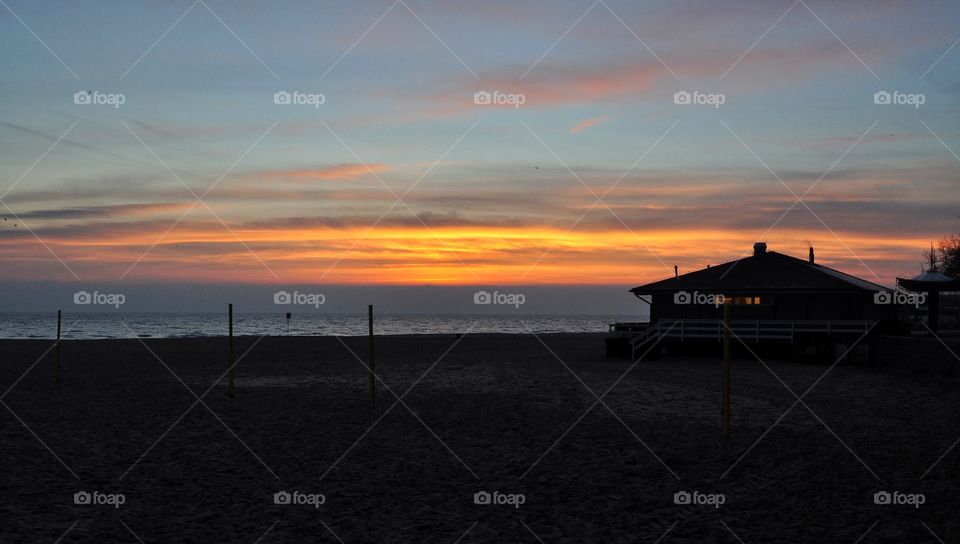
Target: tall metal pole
x: 726, y: 369
x: 230, y: 388
x: 371, y: 386
x: 57, y: 379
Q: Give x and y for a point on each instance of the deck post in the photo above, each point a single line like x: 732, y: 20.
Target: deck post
x: 57, y: 378
x: 371, y: 386
x: 230, y: 389
x: 726, y: 370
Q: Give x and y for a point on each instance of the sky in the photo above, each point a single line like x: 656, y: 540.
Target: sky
x: 187, y: 168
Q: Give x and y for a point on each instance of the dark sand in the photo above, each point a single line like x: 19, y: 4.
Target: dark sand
x: 498, y: 403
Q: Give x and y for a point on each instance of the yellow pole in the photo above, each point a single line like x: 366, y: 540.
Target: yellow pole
x: 371, y: 386
x: 59, y: 312
x: 230, y: 388
x: 726, y: 369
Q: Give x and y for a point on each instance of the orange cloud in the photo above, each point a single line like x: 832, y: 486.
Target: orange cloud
x: 338, y: 172
x: 587, y: 123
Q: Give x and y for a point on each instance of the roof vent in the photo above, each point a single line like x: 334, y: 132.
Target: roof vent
x: 811, y: 255
x: 759, y: 249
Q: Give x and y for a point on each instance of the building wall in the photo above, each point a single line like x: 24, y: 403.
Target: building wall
x: 791, y: 306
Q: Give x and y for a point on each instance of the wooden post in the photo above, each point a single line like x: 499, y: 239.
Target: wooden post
x: 726, y: 369
x: 230, y: 388
x: 59, y: 314
x: 371, y: 385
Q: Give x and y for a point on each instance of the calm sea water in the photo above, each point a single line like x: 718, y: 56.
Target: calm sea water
x: 128, y: 325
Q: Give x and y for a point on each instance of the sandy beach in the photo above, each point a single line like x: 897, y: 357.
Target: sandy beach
x: 494, y: 413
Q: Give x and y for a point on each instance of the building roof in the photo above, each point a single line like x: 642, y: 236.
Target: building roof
x: 764, y: 271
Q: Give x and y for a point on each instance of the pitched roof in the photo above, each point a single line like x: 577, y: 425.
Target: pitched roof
x: 764, y: 272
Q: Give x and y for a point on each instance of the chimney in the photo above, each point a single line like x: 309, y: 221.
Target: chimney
x: 811, y: 255
x: 676, y: 271
x: 759, y: 249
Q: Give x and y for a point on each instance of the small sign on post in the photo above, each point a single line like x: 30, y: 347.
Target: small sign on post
x: 230, y: 389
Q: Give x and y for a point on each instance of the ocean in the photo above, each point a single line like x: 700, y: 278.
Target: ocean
x: 78, y: 325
